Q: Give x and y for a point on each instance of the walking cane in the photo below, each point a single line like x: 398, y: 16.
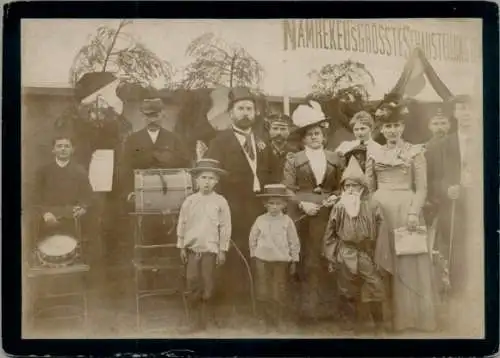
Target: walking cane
x: 452, y: 229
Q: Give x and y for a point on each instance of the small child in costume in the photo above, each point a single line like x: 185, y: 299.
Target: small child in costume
x: 354, y: 226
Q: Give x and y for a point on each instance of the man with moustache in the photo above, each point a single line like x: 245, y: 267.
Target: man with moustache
x: 452, y: 162
x: 278, y: 149
x: 152, y: 147
x: 439, y: 126
x: 240, y: 153
x: 354, y: 225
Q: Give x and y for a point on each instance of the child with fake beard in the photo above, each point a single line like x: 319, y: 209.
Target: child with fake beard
x: 354, y: 226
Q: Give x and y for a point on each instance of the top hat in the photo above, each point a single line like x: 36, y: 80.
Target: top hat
x: 240, y: 94
x: 274, y: 191
x: 91, y: 83
x: 308, y: 115
x: 354, y: 172
x: 151, y: 106
x: 210, y: 165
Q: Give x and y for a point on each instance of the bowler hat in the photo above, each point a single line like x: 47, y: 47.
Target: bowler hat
x: 150, y: 106
x: 274, y: 191
x: 92, y: 82
x: 239, y: 94
x: 210, y: 165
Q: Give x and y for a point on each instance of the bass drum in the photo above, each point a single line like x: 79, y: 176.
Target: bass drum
x: 57, y: 251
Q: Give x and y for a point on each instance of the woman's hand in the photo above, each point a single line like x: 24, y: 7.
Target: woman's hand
x: 310, y: 209
x: 412, y: 222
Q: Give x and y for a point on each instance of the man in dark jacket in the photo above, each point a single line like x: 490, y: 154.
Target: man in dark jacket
x: 240, y: 153
x: 451, y: 164
x: 278, y: 148
x: 62, y: 191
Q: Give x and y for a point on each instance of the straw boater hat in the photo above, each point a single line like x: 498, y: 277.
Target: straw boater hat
x: 207, y: 164
x: 307, y: 115
x: 354, y: 172
x: 274, y: 191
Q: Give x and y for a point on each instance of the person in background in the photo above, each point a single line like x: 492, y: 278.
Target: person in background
x: 313, y: 178
x: 203, y: 235
x: 240, y: 152
x: 452, y: 163
x: 278, y: 148
x: 439, y: 126
x: 362, y: 126
x: 275, y: 248
x: 353, y: 229
x: 62, y: 190
x: 397, y: 179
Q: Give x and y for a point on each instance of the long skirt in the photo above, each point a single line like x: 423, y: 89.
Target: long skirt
x: 413, y: 291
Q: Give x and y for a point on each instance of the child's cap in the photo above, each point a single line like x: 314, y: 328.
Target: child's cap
x: 274, y: 191
x: 208, y: 165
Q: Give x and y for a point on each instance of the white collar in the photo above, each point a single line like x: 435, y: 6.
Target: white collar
x: 238, y: 130
x: 314, y: 151
x: 61, y: 163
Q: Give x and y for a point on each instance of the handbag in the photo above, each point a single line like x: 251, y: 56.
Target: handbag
x: 411, y: 242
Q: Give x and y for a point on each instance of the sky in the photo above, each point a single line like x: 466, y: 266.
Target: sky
x: 50, y: 45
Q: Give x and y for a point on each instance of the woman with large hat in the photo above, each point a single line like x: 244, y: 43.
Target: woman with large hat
x: 397, y: 177
x: 313, y: 176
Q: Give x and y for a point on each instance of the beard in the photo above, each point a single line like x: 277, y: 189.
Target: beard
x: 351, y: 203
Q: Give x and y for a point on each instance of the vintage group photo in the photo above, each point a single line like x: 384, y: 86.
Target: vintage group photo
x: 271, y: 178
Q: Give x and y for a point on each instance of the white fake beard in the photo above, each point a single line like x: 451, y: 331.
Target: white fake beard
x: 352, y: 203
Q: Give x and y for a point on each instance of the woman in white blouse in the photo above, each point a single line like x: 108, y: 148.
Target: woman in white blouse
x: 313, y: 177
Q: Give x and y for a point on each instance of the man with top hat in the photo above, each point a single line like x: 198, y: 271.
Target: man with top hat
x: 313, y: 177
x: 240, y: 153
x: 203, y: 234
x: 278, y: 148
x: 362, y: 126
x: 452, y: 163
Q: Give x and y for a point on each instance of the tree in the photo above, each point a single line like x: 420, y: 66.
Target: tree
x: 114, y: 50
x: 218, y: 63
x: 346, y: 81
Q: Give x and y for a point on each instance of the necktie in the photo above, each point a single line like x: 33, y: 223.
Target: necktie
x: 247, y: 145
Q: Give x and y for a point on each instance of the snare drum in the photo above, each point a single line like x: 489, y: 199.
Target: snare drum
x: 57, y: 251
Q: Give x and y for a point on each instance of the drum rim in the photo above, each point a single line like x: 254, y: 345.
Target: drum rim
x: 68, y: 239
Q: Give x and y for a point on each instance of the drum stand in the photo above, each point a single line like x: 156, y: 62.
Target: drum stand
x: 166, y: 269
x: 58, y: 293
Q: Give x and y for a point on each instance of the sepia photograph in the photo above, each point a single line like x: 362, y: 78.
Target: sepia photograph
x: 252, y: 178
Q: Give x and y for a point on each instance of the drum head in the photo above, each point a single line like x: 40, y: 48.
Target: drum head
x: 57, y: 245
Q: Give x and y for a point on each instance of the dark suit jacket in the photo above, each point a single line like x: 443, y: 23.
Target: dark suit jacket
x: 237, y: 186
x: 168, y: 152
x: 274, y: 162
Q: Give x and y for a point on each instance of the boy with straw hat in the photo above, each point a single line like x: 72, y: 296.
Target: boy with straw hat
x: 275, y: 248
x: 204, y: 232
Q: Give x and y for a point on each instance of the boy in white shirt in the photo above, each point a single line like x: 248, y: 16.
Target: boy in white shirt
x: 275, y: 248
x: 204, y: 232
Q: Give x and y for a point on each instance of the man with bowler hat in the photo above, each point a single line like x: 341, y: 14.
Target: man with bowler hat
x: 240, y: 153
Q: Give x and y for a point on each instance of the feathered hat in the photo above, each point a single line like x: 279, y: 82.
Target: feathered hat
x: 354, y: 172
x: 308, y: 115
